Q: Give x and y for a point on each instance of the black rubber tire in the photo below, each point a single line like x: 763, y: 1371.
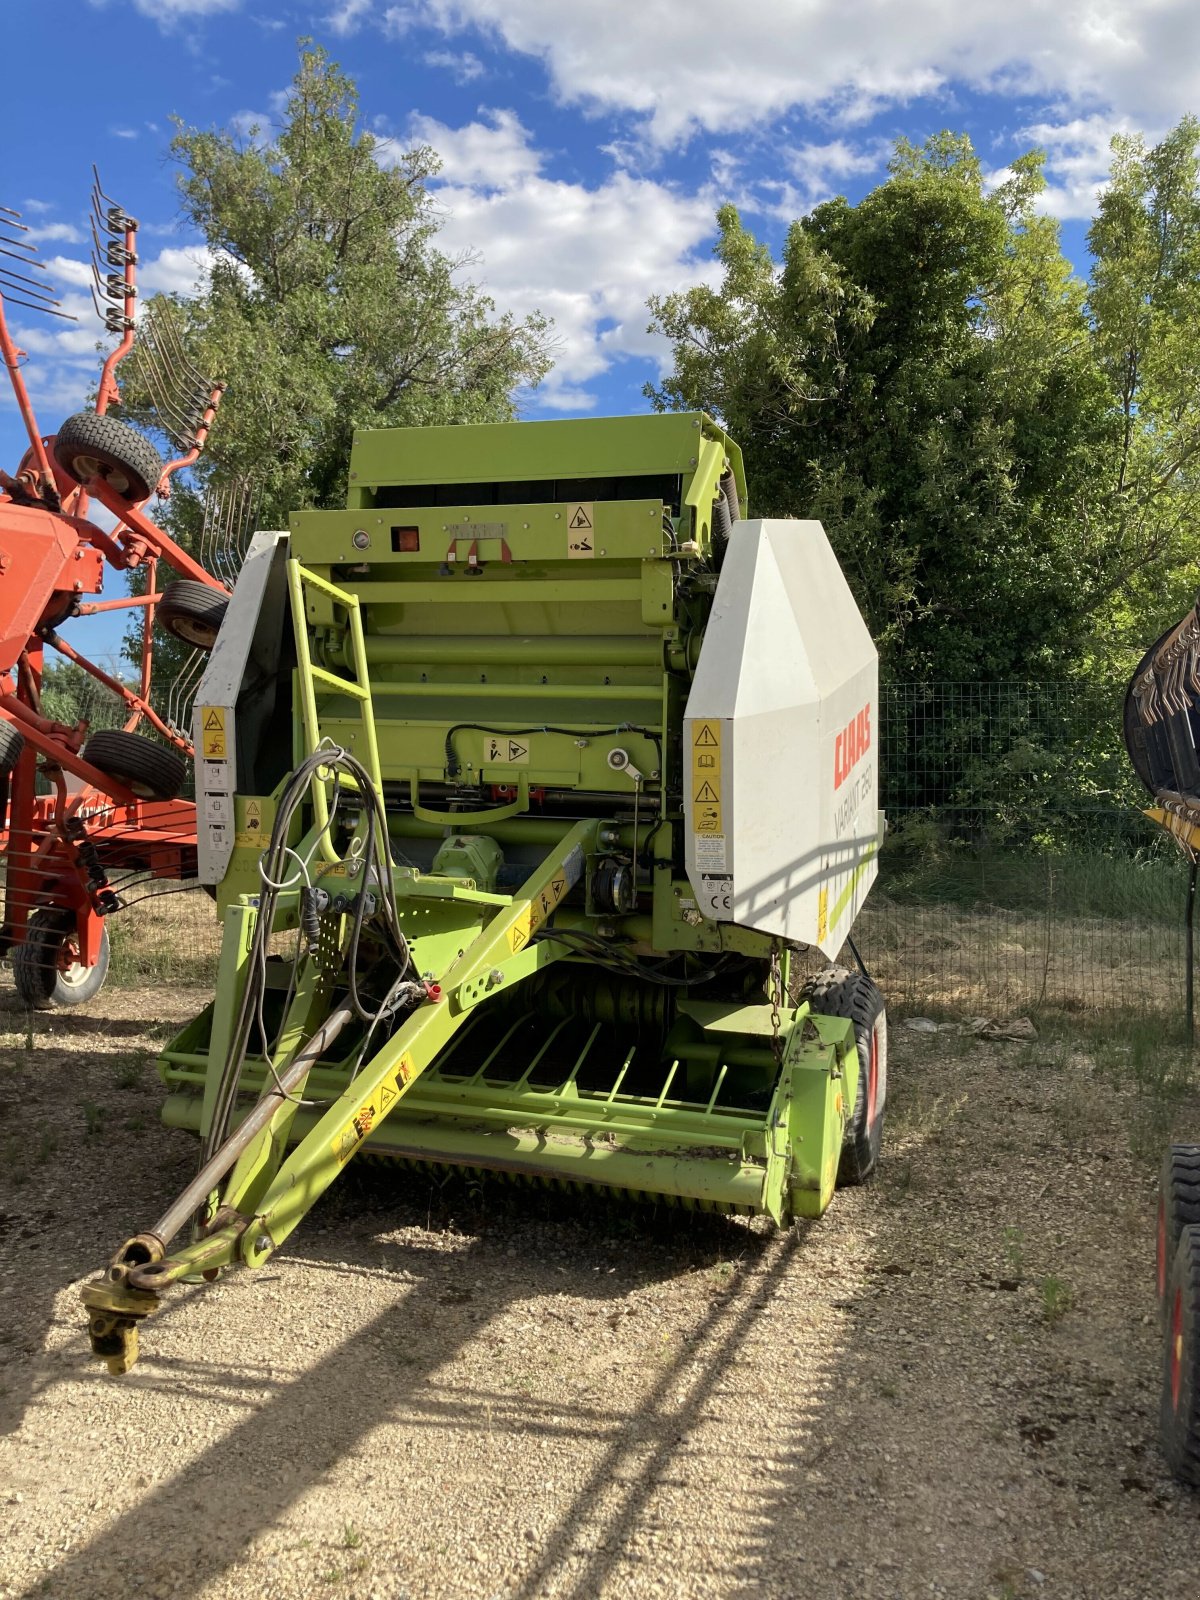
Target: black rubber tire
x: 40, y: 979
x: 840, y: 992
x: 1178, y: 1206
x: 1179, y: 1413
x: 12, y: 744
x: 88, y: 445
x: 151, y: 770
x: 192, y: 612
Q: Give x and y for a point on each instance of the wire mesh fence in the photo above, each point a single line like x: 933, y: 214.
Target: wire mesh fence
x: 1018, y: 873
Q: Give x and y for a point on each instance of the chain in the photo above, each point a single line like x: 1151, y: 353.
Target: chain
x: 775, y: 995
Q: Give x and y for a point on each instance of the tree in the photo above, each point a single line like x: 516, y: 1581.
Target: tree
x: 326, y: 305
x: 918, y: 375
x: 1144, y: 299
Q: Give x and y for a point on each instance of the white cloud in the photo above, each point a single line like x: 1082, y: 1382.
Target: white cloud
x: 484, y: 155
x: 846, y: 59
x: 167, y: 12
x: 465, y: 67
x: 124, y: 133
x: 1078, y: 157
x: 587, y: 257
x: 53, y: 233
x: 348, y: 16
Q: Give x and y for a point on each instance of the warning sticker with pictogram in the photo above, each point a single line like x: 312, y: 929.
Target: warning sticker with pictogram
x: 213, y: 745
x: 581, y: 540
x: 540, y: 909
x: 508, y: 752
x: 372, y: 1110
x: 706, y: 777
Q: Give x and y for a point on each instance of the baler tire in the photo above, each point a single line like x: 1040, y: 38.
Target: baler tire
x: 89, y: 446
x: 840, y: 992
x: 12, y: 746
x: 40, y: 980
x: 1178, y: 1207
x: 1179, y: 1413
x: 192, y: 612
x: 151, y: 770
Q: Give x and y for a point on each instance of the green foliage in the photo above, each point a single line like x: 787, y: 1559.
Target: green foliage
x: 1144, y: 299
x: 70, y: 695
x: 917, y: 375
x: 327, y: 305
x: 1004, y: 457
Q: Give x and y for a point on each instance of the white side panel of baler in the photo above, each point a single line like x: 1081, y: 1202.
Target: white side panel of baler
x: 216, y: 763
x: 784, y: 705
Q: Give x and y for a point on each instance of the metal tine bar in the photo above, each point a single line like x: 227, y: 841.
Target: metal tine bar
x: 27, y: 245
x: 712, y: 1099
x: 9, y: 212
x: 183, y: 687
x: 34, y: 305
x: 616, y: 1088
x: 569, y: 1082
x: 180, y: 355
x: 162, y: 378
x: 173, y: 424
x: 26, y: 261
x: 99, y: 195
x: 44, y: 291
x: 550, y: 1038
x: 666, y: 1088
x: 491, y: 1056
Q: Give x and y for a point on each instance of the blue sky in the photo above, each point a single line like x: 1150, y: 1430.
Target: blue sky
x: 585, y: 145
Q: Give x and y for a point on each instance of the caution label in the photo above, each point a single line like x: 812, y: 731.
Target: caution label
x: 373, y: 1110
x: 541, y: 908
x: 508, y: 752
x: 213, y: 745
x: 705, y: 789
x: 581, y: 530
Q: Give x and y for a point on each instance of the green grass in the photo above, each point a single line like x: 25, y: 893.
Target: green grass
x: 1131, y: 881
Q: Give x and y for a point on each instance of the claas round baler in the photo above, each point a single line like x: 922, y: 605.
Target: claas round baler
x: 521, y: 781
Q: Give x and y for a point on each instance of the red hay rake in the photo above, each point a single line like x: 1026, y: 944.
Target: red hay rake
x: 109, y: 806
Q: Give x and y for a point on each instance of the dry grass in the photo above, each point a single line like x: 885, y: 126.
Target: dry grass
x: 960, y: 960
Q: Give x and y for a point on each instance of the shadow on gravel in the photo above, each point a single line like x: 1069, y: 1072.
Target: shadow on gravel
x: 297, y: 1431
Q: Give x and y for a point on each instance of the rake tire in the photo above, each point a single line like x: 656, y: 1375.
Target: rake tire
x: 89, y: 446
x: 192, y: 612
x: 151, y: 770
x: 40, y: 979
x: 12, y: 744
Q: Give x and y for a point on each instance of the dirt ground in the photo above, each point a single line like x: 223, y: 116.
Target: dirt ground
x: 948, y: 1386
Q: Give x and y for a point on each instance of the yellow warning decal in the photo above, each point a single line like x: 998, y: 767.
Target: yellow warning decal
x: 822, y: 913
x: 212, y: 733
x: 540, y: 909
x: 373, y: 1110
x: 707, y: 815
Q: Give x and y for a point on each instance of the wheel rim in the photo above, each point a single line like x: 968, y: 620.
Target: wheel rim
x: 201, y: 634
x: 1162, y: 1248
x: 73, y: 974
x: 1176, y: 1349
x: 89, y: 467
x: 873, y: 1076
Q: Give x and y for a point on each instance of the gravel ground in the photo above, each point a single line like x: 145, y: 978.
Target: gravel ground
x: 946, y: 1387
